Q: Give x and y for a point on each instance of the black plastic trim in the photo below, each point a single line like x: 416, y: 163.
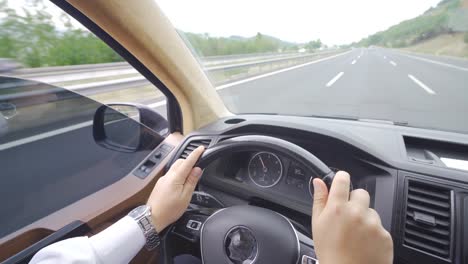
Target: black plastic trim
x: 411, y: 254
x: 174, y: 113
x: 184, y: 145
x: 74, y: 229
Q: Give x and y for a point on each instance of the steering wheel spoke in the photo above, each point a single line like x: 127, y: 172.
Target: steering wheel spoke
x: 244, y: 233
x: 306, y: 249
x: 183, y: 237
x: 189, y: 225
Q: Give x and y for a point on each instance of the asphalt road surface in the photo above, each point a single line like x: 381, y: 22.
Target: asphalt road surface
x: 421, y: 91
x: 45, y: 171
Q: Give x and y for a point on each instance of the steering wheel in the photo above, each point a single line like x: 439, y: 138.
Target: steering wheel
x: 247, y: 234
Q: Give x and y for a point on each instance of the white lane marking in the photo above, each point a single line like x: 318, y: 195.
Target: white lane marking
x: 393, y: 63
x: 353, y: 62
x: 436, y: 62
x: 421, y: 84
x: 44, y: 135
x: 59, y: 131
x: 332, y: 81
x: 102, y: 83
x: 385, y: 57
x: 153, y: 105
x: 158, y: 104
x: 80, y: 76
x: 224, y: 86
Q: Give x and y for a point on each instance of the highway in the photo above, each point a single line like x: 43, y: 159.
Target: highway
x: 57, y: 164
x: 417, y: 90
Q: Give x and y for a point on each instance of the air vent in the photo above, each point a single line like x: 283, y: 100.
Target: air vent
x: 428, y: 219
x: 193, y: 145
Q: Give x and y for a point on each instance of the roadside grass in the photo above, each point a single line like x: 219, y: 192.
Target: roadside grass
x: 99, y: 79
x: 143, y: 94
x: 447, y: 44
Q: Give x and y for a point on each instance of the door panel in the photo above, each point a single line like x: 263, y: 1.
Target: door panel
x: 98, y: 210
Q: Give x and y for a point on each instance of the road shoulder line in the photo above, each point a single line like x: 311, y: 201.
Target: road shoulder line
x: 224, y: 86
x: 435, y: 62
x: 44, y: 135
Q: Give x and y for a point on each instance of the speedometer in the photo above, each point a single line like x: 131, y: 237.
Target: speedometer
x: 265, y: 169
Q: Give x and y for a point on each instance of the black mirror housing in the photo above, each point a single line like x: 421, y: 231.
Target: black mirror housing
x: 127, y: 127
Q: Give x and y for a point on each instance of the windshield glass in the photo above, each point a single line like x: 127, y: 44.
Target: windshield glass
x: 400, y: 61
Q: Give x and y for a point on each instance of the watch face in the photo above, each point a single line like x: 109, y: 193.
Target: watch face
x: 139, y: 211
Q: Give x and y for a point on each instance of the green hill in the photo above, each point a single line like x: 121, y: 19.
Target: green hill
x: 208, y: 45
x: 446, y: 18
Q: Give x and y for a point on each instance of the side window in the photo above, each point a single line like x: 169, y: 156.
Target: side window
x: 54, y: 75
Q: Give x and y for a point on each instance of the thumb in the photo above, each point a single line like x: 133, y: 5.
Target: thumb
x: 320, y: 197
x: 192, y: 181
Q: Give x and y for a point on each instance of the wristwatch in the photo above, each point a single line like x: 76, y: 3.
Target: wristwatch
x: 142, y: 215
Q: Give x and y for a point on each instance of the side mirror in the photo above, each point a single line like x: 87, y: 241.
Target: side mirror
x: 8, y: 110
x: 128, y: 127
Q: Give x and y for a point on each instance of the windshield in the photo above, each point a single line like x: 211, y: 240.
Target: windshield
x: 400, y: 61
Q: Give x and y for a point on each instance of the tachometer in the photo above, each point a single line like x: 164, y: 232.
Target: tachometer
x: 265, y: 169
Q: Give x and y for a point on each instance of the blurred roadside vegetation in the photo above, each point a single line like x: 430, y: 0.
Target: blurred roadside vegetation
x: 34, y: 38
x: 447, y: 18
x: 207, y: 45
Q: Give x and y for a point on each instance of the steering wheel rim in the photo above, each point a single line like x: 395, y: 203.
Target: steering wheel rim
x: 254, y: 143
x: 267, y: 143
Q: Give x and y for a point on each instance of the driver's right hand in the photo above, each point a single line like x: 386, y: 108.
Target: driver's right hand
x: 345, y: 229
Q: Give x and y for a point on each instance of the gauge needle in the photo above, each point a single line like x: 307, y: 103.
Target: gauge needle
x: 263, y: 164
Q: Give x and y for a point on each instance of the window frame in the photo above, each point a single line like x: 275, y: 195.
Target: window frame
x: 174, y: 112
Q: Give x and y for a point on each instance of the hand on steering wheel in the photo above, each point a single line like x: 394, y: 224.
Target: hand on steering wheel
x: 172, y: 193
x: 345, y: 229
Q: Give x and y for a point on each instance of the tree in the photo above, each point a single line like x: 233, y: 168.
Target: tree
x: 33, y: 39
x: 313, y: 45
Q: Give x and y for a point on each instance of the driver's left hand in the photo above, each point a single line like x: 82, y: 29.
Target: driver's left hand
x: 173, y: 192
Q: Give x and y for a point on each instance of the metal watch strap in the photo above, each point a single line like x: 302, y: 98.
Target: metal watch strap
x: 152, y: 237
x: 147, y: 227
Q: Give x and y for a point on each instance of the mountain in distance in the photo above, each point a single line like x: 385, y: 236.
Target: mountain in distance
x: 207, y: 45
x: 441, y: 30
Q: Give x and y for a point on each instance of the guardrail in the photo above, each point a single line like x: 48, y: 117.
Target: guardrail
x: 102, y: 91
x: 262, y: 62
x: 74, y: 69
x: 62, y: 74
x: 138, y: 81
x: 243, y: 56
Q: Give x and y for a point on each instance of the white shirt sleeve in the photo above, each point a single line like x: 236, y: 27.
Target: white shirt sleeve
x: 119, y: 243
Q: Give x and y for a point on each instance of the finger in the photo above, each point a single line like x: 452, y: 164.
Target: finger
x: 339, y: 191
x: 182, y: 172
x: 360, y: 197
x: 176, y: 165
x: 171, y: 173
x: 373, y: 216
x: 320, y: 197
x: 192, y: 181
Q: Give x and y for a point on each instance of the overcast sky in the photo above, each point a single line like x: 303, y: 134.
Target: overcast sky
x: 333, y: 21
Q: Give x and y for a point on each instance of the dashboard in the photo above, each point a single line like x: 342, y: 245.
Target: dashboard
x: 271, y: 176
x: 422, y: 202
